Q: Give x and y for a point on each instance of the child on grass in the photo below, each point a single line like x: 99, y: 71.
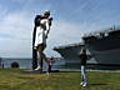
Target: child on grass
x: 83, y: 58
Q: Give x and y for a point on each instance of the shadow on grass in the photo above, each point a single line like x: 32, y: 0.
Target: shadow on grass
x: 94, y: 86
x: 98, y: 84
x: 69, y: 71
x: 26, y: 78
x: 37, y: 72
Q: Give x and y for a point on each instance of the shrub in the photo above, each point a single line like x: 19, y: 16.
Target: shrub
x: 14, y: 65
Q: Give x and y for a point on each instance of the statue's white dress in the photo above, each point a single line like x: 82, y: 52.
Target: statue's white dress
x: 41, y: 35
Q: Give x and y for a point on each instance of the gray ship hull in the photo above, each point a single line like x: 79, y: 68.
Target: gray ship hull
x: 70, y: 53
x: 107, y: 57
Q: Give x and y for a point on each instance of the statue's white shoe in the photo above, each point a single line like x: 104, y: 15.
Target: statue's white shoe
x: 38, y: 68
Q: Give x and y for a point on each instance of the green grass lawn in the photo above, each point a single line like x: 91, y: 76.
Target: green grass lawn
x: 15, y: 79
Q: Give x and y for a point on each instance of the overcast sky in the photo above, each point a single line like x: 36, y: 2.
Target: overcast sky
x: 72, y: 18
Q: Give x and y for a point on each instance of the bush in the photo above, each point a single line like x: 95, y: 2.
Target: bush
x: 14, y: 65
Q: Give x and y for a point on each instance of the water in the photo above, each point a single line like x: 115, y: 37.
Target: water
x: 23, y: 63
x: 56, y: 65
x: 27, y: 63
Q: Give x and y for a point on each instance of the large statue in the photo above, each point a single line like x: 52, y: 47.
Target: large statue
x: 40, y: 34
x: 34, y: 54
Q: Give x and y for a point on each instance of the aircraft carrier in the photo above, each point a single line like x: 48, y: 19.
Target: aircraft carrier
x: 103, y: 45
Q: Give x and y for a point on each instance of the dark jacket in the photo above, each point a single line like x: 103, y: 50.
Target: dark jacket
x: 83, y: 57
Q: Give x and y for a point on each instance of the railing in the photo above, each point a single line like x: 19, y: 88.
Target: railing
x: 102, y: 31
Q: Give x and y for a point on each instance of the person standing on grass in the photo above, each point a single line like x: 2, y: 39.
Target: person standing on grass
x: 83, y: 58
x: 50, y: 64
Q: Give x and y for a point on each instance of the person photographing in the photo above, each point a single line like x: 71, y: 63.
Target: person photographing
x: 83, y: 58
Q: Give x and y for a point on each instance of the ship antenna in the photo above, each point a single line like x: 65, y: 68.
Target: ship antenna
x: 114, y: 27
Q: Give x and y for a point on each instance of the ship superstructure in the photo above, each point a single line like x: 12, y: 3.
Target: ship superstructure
x: 105, y: 46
